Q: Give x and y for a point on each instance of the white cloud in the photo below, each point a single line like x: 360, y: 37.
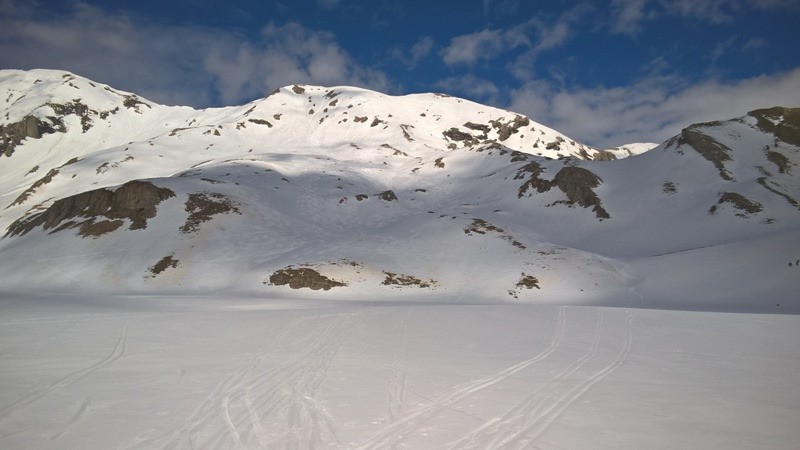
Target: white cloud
x: 469, y: 86
x: 652, y: 110
x: 176, y: 64
x: 628, y: 16
x: 721, y: 49
x: 420, y: 50
x: 754, y: 44
x: 485, y: 45
x: 550, y: 34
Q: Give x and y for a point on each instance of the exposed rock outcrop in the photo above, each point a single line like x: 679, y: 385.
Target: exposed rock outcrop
x: 135, y: 201
x: 708, y: 148
x: 12, y: 134
x: 303, y: 277
x: 578, y: 183
x: 744, y: 205
x: 202, y: 206
x: 784, y: 123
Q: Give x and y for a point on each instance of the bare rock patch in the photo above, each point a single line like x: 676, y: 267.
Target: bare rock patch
x: 162, y: 265
x: 718, y: 154
x: 135, y: 201
x: 303, y: 277
x: 745, y: 206
x: 402, y: 280
x: 203, y: 206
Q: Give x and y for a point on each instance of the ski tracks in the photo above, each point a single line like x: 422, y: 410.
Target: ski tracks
x: 395, y: 432
x: 38, y: 339
x: 71, y: 378
x: 520, y: 426
x: 396, y: 384
x: 255, y: 407
x: 84, y: 405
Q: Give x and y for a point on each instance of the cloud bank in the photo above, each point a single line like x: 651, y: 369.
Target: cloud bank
x: 520, y: 59
x: 653, y: 109
x: 176, y: 64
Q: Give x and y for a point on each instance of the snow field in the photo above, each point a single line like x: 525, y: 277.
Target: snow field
x: 202, y: 372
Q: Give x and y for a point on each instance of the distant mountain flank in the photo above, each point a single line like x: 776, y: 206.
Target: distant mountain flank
x: 342, y: 192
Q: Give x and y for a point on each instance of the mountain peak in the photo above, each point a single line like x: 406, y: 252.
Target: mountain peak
x: 343, y: 189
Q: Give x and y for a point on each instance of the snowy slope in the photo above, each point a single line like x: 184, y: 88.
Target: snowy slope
x: 394, y: 197
x: 78, y: 371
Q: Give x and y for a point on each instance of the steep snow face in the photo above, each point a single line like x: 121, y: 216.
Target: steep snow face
x: 347, y: 193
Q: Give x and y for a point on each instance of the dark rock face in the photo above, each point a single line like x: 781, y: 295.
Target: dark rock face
x: 388, y: 196
x: 133, y: 102
x: 710, y: 149
x: 528, y: 282
x: 41, y: 182
x: 532, y: 170
x: 393, y: 279
x: 303, y: 277
x: 201, y: 207
x: 478, y: 127
x: 780, y: 160
x: 260, y: 122
x: 163, y: 264
x: 134, y: 200
x: 740, y: 202
x: 604, y: 155
x: 481, y: 226
x: 75, y: 108
x: 454, y: 134
x: 578, y: 183
x: 778, y: 189
x: 12, y: 134
x: 784, y: 123
x: 505, y: 130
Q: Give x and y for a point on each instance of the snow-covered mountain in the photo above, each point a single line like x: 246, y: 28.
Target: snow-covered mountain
x: 359, y: 195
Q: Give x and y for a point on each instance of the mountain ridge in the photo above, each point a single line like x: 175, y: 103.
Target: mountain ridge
x: 373, y: 196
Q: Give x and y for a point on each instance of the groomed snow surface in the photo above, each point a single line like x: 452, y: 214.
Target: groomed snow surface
x: 147, y: 372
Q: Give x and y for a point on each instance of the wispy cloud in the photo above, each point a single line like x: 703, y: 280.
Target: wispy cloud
x: 754, y: 44
x: 411, y: 57
x: 176, y: 64
x: 469, y: 86
x: 722, y: 49
x: 651, y: 110
x: 483, y: 45
x: 630, y: 16
x: 500, y: 7
x: 529, y: 38
x: 548, y: 35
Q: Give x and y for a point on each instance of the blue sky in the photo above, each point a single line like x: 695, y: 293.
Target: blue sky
x: 604, y: 72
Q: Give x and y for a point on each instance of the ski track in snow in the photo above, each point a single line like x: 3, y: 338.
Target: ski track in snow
x: 522, y: 426
x: 258, y: 408
x: 395, y: 432
x: 396, y: 384
x: 543, y: 421
x: 499, y: 431
x: 38, y: 339
x: 82, y: 407
x: 117, y: 352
